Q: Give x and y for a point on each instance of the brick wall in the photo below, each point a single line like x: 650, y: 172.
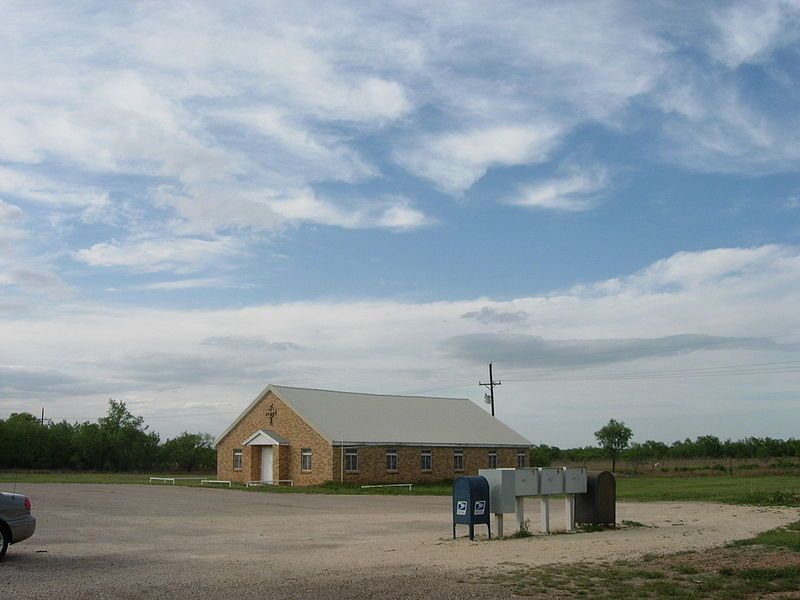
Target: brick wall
x: 372, y: 464
x: 285, y: 459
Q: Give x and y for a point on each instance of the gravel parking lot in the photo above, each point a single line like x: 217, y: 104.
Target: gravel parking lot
x: 129, y: 541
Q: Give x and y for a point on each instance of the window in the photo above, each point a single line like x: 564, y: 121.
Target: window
x: 492, y: 459
x: 391, y: 459
x: 351, y: 460
x: 426, y: 461
x: 458, y: 460
x: 237, y: 460
x: 305, y: 459
x: 521, y: 458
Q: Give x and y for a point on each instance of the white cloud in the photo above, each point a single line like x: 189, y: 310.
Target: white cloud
x: 716, y: 129
x: 749, y: 31
x: 388, y: 213
x: 492, y: 316
x: 45, y: 190
x: 693, y: 269
x: 456, y: 160
x: 34, y: 280
x: 265, y: 209
x: 521, y: 77
x: 9, y: 212
x: 152, y: 255
x: 576, y: 191
x: 243, y: 118
x: 402, y: 216
x: 187, y: 284
x: 297, y: 154
x: 699, y: 309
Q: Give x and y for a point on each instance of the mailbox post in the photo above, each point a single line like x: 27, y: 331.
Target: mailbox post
x: 526, y: 484
x: 551, y: 483
x: 574, y: 483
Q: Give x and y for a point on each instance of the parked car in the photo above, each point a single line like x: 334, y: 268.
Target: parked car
x: 16, y: 521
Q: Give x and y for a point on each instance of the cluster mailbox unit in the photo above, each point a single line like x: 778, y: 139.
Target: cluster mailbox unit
x: 508, y: 489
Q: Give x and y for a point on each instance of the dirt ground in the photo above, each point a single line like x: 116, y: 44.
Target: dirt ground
x: 127, y: 541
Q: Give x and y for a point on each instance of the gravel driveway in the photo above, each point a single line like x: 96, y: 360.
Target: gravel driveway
x: 129, y: 541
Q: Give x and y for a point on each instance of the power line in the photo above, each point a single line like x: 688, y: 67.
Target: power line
x: 767, y: 368
x: 789, y: 366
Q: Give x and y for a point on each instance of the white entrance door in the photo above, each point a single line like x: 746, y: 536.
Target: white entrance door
x: 266, y: 463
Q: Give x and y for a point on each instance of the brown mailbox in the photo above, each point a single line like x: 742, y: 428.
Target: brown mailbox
x: 598, y: 506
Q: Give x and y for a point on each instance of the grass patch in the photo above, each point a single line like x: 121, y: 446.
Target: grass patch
x: 8, y: 478
x: 632, y: 524
x: 592, y: 527
x: 419, y: 489
x: 783, y: 537
x: 769, y: 490
x: 766, y: 565
x: 523, y: 531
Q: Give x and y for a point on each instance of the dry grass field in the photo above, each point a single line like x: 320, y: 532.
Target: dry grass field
x: 689, y: 467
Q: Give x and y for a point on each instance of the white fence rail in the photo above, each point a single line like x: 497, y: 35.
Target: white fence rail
x: 388, y: 485
x: 270, y: 482
x: 172, y: 480
x: 163, y: 479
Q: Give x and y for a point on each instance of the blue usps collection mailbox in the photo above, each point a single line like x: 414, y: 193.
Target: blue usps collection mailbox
x: 471, y: 504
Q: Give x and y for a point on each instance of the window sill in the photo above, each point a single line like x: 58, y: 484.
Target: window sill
x: 305, y: 470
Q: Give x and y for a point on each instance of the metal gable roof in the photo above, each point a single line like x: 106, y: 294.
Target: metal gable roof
x: 356, y: 418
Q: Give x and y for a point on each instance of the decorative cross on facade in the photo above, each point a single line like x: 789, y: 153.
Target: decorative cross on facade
x: 271, y: 412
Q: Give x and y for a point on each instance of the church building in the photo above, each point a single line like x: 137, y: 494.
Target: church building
x: 308, y: 436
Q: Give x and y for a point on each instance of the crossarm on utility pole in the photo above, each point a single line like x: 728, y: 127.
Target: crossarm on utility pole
x: 490, y: 385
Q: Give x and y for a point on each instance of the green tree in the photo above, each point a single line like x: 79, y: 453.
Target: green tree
x: 89, y: 447
x: 709, y: 446
x: 189, y: 452
x: 125, y: 442
x: 60, y: 445
x: 613, y: 438
x: 542, y: 455
x: 25, y: 443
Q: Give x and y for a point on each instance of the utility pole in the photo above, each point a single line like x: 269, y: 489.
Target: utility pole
x: 490, y: 385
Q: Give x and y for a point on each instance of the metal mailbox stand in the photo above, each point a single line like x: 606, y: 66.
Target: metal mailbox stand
x: 509, y: 488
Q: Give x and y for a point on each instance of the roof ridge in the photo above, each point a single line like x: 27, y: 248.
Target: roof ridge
x: 294, y: 387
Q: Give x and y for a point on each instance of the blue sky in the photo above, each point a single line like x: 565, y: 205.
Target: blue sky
x: 602, y: 198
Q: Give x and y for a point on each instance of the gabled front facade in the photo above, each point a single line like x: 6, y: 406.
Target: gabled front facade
x: 286, y: 434
x: 285, y: 426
